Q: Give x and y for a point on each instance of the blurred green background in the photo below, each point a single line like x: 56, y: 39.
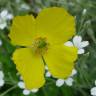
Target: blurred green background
x: 85, y: 13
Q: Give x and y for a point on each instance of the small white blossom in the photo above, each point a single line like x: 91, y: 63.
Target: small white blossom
x: 93, y: 91
x: 69, y: 81
x: 34, y: 90
x: 1, y: 82
x: 60, y: 82
x: 9, y: 16
x: 1, y: 78
x: 21, y: 85
x: 95, y: 82
x: 1, y: 75
x: 0, y: 42
x: 77, y: 42
x: 24, y: 6
x: 26, y: 92
x: 4, y: 16
x: 3, y: 24
x: 84, y: 11
x: 48, y: 74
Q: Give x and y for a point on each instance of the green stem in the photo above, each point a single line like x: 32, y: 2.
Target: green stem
x: 44, y: 92
x: 10, y: 89
x: 43, y: 60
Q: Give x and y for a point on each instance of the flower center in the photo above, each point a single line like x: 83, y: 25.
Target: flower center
x: 40, y: 45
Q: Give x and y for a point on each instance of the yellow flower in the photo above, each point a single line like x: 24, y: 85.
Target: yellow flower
x: 43, y: 39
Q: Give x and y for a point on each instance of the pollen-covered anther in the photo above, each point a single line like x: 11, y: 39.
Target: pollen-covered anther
x: 40, y: 45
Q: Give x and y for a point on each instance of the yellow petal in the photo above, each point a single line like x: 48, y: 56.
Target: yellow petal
x: 30, y: 67
x: 60, y: 60
x: 56, y: 24
x: 22, y: 30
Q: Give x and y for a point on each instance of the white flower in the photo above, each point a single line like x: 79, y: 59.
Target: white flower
x: 93, y: 91
x: 95, y: 82
x: 77, y: 42
x: 1, y: 78
x: 0, y: 42
x: 48, y: 74
x: 4, y: 16
x: 24, y: 7
x: 1, y: 75
x: 26, y: 92
x: 21, y: 85
x: 3, y: 24
x: 1, y: 82
x: 34, y: 90
x: 84, y: 11
x: 59, y: 82
x: 69, y: 81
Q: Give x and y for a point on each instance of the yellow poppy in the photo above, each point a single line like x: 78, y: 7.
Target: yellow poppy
x: 43, y: 39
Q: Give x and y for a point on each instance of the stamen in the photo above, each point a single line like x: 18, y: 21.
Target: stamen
x: 40, y: 45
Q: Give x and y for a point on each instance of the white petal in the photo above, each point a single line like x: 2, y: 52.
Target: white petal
x: 1, y: 75
x: 26, y: 92
x: 95, y: 82
x: 24, y: 7
x: 1, y: 82
x: 84, y: 11
x: 3, y: 25
x: 93, y: 91
x: 59, y: 82
x: 34, y: 90
x: 74, y: 72
x: 4, y: 13
x: 69, y: 43
x: 0, y: 42
x: 84, y: 44
x: 81, y: 51
x: 48, y: 74
x: 9, y: 16
x: 69, y: 81
x: 77, y: 40
x: 21, y: 85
